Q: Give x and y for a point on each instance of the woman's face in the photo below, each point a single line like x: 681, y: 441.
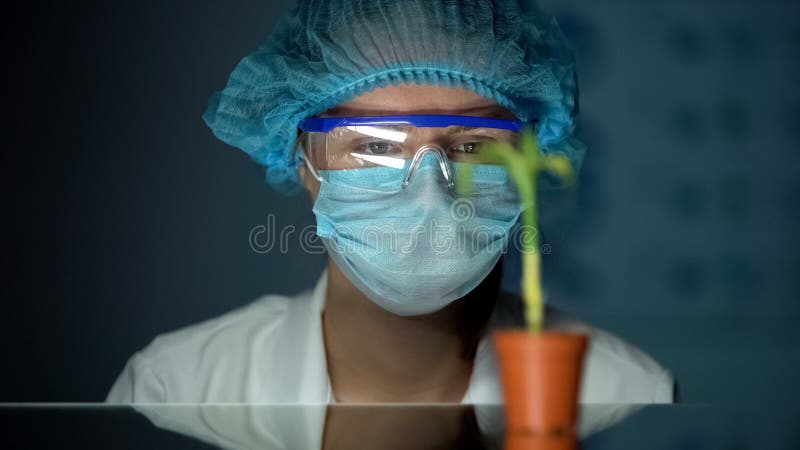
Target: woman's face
x: 411, y: 99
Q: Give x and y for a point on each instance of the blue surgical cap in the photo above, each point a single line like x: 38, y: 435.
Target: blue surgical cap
x: 326, y: 52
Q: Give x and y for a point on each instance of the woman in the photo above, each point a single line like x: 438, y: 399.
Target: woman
x: 375, y: 108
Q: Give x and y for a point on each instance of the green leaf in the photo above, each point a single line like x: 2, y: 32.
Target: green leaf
x: 559, y: 166
x: 464, y: 179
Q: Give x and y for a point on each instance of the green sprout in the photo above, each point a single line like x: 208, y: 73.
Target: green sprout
x: 524, y: 165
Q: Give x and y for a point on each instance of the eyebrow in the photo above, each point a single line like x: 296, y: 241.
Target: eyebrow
x: 493, y: 111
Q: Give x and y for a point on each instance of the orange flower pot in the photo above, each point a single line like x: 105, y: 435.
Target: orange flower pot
x: 540, y: 375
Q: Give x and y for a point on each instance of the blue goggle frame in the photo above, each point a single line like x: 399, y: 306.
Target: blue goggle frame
x: 326, y: 124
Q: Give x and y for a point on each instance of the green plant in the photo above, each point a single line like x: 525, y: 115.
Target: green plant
x: 524, y: 166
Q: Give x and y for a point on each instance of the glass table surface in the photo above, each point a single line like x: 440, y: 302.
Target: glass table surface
x: 236, y: 426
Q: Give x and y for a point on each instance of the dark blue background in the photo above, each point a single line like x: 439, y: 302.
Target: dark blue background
x: 129, y: 219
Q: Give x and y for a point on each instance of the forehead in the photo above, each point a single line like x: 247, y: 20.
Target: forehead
x: 420, y: 99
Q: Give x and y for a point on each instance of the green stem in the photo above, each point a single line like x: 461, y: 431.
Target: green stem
x: 531, y: 262
x: 523, y: 166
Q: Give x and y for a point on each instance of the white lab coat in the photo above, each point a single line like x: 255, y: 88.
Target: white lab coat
x: 272, y: 351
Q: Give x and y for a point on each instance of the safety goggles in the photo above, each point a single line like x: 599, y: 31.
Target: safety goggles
x: 396, y: 147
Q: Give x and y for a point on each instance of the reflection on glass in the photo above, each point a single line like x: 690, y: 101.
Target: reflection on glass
x: 524, y: 441
x: 316, y: 427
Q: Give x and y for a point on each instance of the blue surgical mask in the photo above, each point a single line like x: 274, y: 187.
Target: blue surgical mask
x: 415, y: 251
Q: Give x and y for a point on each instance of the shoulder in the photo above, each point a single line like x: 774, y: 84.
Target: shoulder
x: 213, y: 360
x: 615, y: 371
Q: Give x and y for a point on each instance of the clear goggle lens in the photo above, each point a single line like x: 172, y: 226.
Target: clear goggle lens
x: 394, y: 153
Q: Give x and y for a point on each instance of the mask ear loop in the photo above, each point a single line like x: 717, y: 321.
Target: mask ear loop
x: 301, y: 148
x: 311, y: 168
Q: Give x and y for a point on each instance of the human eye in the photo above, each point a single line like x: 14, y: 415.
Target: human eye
x: 376, y: 148
x: 468, y: 147
x: 475, y: 140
